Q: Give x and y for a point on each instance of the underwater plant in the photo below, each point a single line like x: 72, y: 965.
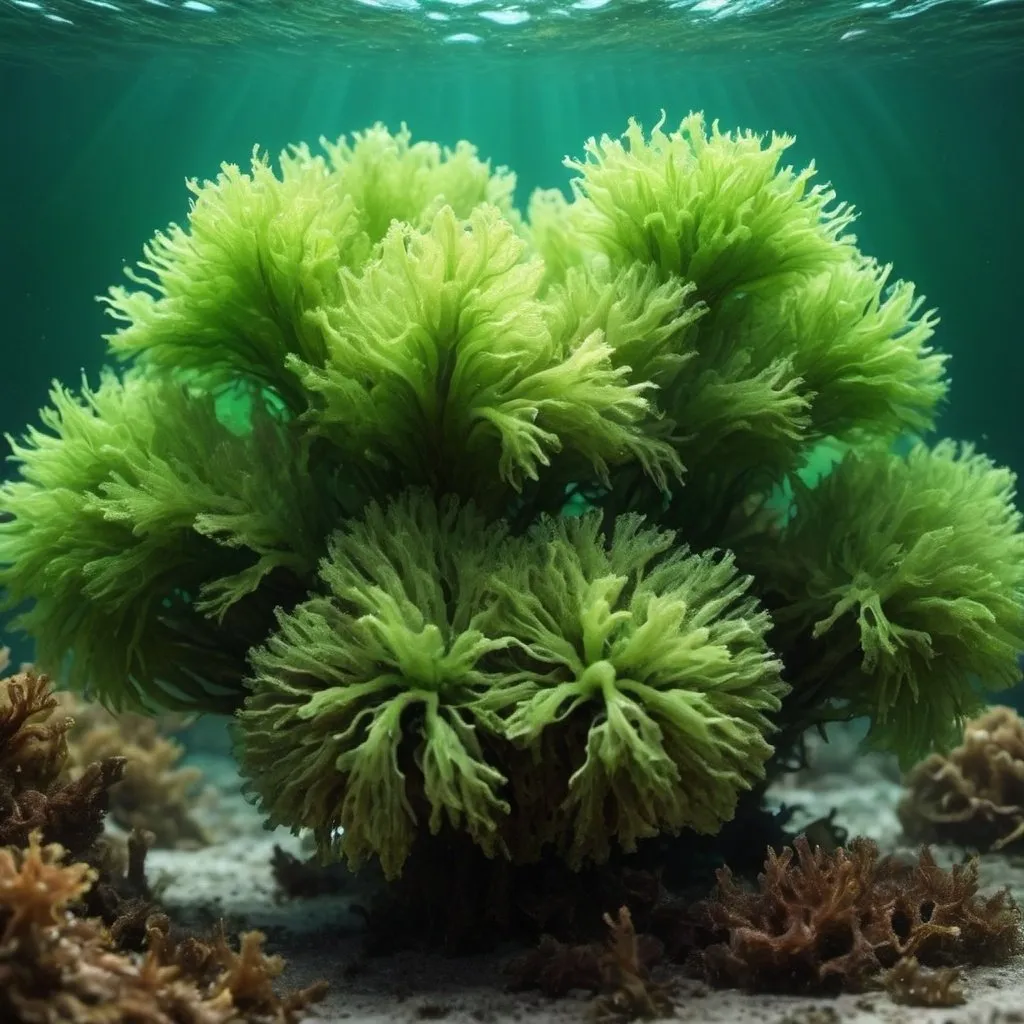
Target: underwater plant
x: 59, y: 963
x: 516, y: 527
x: 156, y: 794
x: 909, y: 609
x: 815, y: 921
x: 972, y: 795
x: 821, y: 922
x: 36, y: 790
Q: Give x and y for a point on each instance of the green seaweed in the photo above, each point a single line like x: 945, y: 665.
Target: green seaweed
x: 554, y: 531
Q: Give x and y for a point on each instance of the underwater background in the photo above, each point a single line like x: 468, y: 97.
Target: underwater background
x: 912, y: 111
x: 371, y: 627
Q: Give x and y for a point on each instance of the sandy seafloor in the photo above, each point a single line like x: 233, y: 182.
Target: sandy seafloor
x: 320, y: 938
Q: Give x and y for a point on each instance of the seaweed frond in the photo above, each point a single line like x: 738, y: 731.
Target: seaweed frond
x: 36, y: 888
x: 33, y: 745
x: 56, y: 964
x: 35, y: 792
x: 618, y: 970
x: 156, y: 793
x: 910, y: 984
x: 974, y: 795
x: 121, y: 896
x: 825, y: 922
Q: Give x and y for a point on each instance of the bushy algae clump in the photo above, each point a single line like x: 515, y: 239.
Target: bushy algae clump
x: 542, y: 529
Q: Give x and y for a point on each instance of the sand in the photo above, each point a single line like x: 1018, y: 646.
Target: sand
x: 320, y: 938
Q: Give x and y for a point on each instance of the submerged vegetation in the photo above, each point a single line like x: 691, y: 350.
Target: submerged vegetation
x: 85, y: 939
x: 502, y: 526
x: 972, y: 795
x: 58, y: 964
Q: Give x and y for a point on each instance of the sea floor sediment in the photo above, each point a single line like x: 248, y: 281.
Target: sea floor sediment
x: 321, y: 938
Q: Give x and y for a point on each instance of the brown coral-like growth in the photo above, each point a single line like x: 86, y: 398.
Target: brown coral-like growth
x: 56, y: 966
x: 619, y: 970
x: 33, y: 745
x: 36, y: 888
x: 121, y: 896
x: 822, y: 922
x: 973, y: 796
x: 910, y: 984
x: 629, y: 991
x: 244, y: 979
x: 156, y: 793
x: 34, y: 792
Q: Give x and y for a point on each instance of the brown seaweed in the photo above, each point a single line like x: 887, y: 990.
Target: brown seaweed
x: 824, y: 922
x: 974, y: 795
x: 56, y: 965
x: 35, y: 792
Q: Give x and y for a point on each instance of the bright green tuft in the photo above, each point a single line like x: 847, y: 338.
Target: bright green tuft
x: 715, y: 209
x: 227, y: 296
x: 140, y: 522
x: 898, y: 584
x: 390, y: 178
x: 442, y: 371
x: 378, y: 680
x: 794, y: 336
x: 648, y: 324
x: 663, y: 653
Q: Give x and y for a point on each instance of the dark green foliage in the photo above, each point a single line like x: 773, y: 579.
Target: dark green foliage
x: 907, y: 611
x: 142, y: 524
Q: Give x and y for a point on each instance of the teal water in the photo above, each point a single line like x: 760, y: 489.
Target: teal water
x: 912, y: 110
x: 894, y: 29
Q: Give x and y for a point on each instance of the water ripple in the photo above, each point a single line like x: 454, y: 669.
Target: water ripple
x: 890, y: 28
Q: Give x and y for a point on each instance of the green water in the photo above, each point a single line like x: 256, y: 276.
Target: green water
x: 914, y: 118
x: 93, y: 30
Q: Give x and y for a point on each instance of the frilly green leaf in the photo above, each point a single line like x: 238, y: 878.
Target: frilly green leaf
x: 226, y: 296
x: 390, y: 177
x: 799, y: 337
x: 900, y: 581
x: 380, y: 678
x: 442, y: 371
x: 139, y: 522
x: 712, y: 208
x: 663, y: 652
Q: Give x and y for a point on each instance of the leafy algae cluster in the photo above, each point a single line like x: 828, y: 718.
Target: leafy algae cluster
x: 548, y: 529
